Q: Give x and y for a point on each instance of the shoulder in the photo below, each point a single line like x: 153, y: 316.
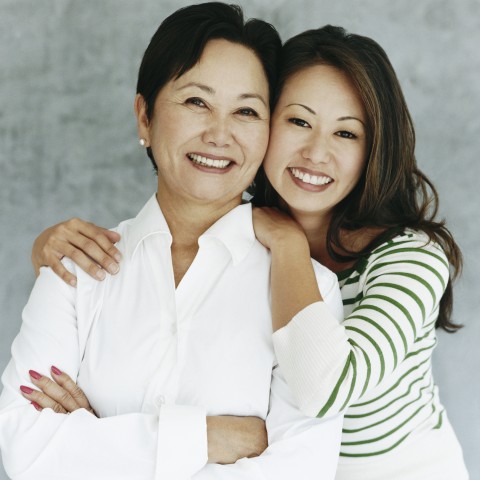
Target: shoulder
x: 411, y: 254
x: 410, y: 245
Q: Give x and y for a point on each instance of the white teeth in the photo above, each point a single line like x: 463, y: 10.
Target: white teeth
x: 310, y: 178
x: 208, y: 162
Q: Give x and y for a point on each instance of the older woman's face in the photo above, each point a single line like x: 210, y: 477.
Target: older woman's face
x: 318, y: 142
x: 209, y: 129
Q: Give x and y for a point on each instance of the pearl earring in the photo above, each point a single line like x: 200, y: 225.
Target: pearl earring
x: 142, y: 142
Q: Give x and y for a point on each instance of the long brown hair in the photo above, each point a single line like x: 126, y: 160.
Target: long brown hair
x: 392, y: 193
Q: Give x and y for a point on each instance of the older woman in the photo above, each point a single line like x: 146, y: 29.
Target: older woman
x: 184, y: 330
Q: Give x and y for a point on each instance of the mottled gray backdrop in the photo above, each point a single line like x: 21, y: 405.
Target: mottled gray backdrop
x: 68, y: 145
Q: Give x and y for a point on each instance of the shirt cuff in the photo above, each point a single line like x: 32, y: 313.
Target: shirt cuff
x: 182, y: 442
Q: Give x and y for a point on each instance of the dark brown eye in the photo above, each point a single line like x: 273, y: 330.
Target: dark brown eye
x: 346, y: 134
x: 248, y: 112
x: 299, y: 122
x: 195, y: 101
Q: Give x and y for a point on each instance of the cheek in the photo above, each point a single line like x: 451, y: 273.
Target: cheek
x: 255, y: 141
x: 355, y: 172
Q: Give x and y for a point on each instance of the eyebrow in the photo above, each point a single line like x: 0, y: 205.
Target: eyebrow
x: 313, y: 112
x: 351, y: 118
x: 301, y: 105
x: 211, y: 91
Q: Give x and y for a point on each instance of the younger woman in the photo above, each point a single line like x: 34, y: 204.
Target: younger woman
x: 341, y: 163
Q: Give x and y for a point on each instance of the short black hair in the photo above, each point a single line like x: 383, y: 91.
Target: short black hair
x: 179, y: 41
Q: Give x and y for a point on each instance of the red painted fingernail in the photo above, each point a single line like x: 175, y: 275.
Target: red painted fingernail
x: 56, y: 371
x: 26, y: 390
x: 37, y: 406
x: 34, y: 374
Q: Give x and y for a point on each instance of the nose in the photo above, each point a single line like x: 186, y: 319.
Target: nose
x: 317, y: 150
x: 218, y: 131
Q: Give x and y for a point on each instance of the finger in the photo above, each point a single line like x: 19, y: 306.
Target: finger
x: 99, y: 249
x: 54, y: 391
x: 40, y: 401
x: 102, y: 250
x: 68, y: 277
x: 84, y: 261
x: 71, y: 387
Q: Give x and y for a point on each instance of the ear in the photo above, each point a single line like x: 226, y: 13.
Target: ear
x: 140, y: 107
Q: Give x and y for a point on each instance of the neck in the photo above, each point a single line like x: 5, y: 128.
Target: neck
x: 188, y: 220
x: 315, y: 226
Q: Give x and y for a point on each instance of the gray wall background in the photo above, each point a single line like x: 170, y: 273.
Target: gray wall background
x: 68, y: 145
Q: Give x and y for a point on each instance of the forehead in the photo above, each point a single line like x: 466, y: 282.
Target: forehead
x: 227, y: 65
x: 321, y: 84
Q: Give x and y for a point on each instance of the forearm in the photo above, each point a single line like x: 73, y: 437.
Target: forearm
x: 299, y: 447
x: 76, y: 446
x: 293, y: 282
x: 231, y: 438
x: 330, y: 366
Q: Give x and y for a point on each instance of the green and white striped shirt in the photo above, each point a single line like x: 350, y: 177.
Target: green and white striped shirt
x: 375, y: 366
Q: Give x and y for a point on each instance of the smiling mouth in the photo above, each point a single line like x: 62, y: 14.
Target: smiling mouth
x: 208, y: 162
x: 310, y: 178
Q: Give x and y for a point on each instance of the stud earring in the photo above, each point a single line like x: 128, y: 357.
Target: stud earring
x: 142, y: 142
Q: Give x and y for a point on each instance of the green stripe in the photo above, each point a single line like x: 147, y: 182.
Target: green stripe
x: 413, y: 262
x: 393, y: 387
x: 412, y: 277
x: 412, y: 354
x: 390, y: 244
x: 345, y: 273
x: 387, y: 434
x: 415, y: 400
x: 380, y: 452
x: 352, y: 386
x: 375, y: 345
x: 382, y: 330
x: 426, y: 334
x: 415, y: 250
x: 389, y: 404
x: 408, y: 292
x: 369, y: 366
x: 352, y: 280
x: 350, y: 301
x: 440, y: 420
x: 399, y: 306
x: 350, y: 360
x: 433, y: 322
x: 384, y: 313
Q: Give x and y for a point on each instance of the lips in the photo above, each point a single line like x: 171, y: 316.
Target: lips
x: 208, y: 162
x: 311, y: 178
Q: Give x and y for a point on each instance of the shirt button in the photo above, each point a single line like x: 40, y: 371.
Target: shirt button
x: 173, y: 329
x: 160, y: 400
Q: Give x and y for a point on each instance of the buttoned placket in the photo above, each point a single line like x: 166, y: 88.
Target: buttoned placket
x: 179, y: 305
x: 210, y: 262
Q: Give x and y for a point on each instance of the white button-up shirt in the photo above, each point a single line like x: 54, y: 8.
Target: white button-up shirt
x: 154, y: 360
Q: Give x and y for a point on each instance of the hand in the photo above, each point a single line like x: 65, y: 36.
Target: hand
x: 89, y: 246
x: 271, y: 225
x: 62, y: 395
x: 231, y: 438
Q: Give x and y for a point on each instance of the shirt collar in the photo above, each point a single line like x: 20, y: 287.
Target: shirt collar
x: 234, y: 230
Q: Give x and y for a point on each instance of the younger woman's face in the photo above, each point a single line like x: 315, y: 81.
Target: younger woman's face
x: 318, y: 145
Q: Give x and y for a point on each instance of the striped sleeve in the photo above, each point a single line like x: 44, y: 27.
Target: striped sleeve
x: 390, y: 307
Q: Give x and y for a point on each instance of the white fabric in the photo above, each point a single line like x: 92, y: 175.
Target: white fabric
x: 433, y: 455
x: 155, y: 360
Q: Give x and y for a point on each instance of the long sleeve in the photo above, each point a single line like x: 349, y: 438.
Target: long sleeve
x: 299, y: 447
x: 392, y: 306
x: 44, y: 445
